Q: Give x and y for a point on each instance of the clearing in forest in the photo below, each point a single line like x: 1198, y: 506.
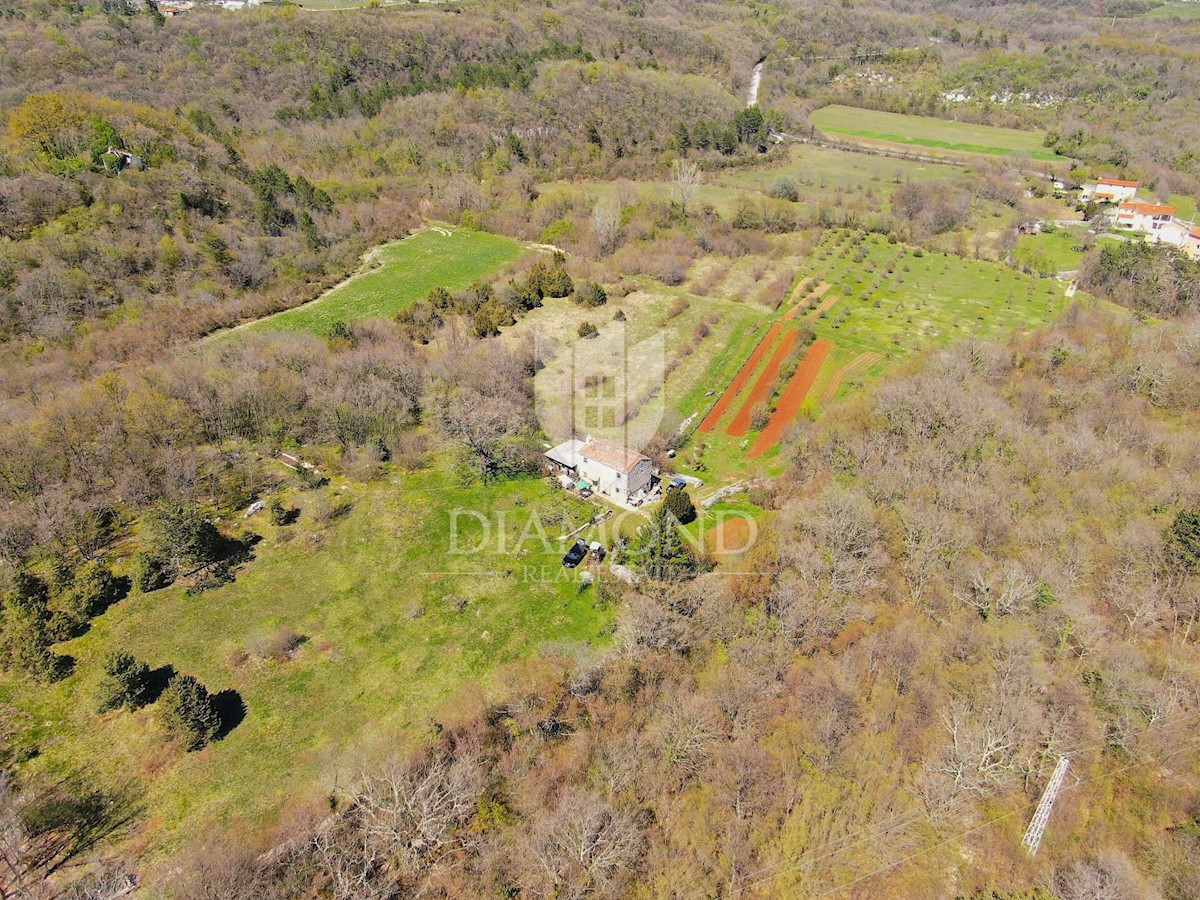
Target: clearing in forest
x: 870, y: 126
x: 394, y: 622
x: 397, y: 275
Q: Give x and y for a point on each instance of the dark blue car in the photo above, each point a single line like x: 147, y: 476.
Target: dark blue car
x: 575, y: 555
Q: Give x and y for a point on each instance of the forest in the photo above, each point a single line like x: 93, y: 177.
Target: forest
x: 977, y: 548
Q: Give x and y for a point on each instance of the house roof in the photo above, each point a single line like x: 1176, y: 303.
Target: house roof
x: 1131, y: 207
x: 609, y: 453
x: 1115, y: 182
x: 566, y: 453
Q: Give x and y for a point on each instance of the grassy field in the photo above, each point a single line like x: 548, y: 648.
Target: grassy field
x: 397, y: 275
x: 938, y: 134
x: 926, y: 299
x: 1049, y: 252
x: 1175, y: 10
x: 886, y: 302
x: 394, y: 625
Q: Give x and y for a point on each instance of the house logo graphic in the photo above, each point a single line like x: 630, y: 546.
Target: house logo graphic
x: 609, y: 385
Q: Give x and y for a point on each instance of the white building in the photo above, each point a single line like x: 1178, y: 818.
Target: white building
x: 608, y: 468
x: 1110, y: 190
x: 1151, y: 219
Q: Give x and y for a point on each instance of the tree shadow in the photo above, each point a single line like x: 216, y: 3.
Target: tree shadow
x: 71, y: 817
x: 157, y: 682
x: 231, y: 709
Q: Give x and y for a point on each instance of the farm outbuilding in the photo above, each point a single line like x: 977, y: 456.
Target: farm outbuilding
x: 607, y: 467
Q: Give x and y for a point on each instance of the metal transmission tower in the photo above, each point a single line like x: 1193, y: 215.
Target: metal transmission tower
x: 1037, y: 825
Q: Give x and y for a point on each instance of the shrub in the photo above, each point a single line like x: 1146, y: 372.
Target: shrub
x: 187, y: 714
x: 126, y: 683
x: 587, y: 330
x: 680, y: 505
x: 785, y: 189
x: 591, y: 295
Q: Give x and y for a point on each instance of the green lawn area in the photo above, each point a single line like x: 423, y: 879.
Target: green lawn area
x: 1185, y: 206
x: 398, y: 274
x: 922, y: 131
x: 1175, y: 9
x: 1049, y: 252
x: 395, y: 624
x: 927, y: 300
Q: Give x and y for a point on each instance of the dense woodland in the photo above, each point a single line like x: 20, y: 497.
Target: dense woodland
x: 987, y: 561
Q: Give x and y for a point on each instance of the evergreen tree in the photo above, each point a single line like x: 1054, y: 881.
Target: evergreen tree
x: 186, y: 712
x: 92, y: 590
x: 659, y: 551
x: 680, y: 505
x: 180, y: 537
x: 151, y: 573
x: 26, y: 632
x: 1184, y: 538
x: 556, y: 282
x: 591, y: 294
x: 126, y: 683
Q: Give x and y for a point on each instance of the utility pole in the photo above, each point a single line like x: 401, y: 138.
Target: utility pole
x: 1037, y: 825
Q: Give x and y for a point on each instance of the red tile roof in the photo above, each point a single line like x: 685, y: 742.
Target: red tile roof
x: 1130, y: 207
x: 1114, y: 182
x: 614, y: 455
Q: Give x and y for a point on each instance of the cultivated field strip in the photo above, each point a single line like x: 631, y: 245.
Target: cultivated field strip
x: 792, y: 398
x: 764, y: 386
x: 726, y: 399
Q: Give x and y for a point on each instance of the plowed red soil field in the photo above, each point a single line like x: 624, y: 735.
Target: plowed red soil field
x: 792, y: 397
x: 739, y: 380
x: 763, y: 387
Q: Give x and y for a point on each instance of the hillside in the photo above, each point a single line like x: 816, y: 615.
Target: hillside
x: 465, y: 450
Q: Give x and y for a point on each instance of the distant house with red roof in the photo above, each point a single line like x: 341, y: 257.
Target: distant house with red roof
x: 1148, y: 218
x: 1110, y: 190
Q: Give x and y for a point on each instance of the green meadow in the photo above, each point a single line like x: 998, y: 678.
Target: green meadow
x: 397, y: 275
x: 396, y: 617
x: 922, y: 131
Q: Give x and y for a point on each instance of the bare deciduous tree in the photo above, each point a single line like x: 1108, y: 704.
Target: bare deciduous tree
x: 686, y: 179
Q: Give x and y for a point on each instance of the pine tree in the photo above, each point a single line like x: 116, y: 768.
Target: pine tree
x: 680, y: 506
x: 126, y: 683
x: 659, y: 551
x: 186, y: 712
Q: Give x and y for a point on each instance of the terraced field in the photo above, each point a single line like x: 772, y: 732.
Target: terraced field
x: 861, y: 304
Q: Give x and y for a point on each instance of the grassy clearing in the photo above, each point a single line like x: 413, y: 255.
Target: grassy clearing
x: 855, y: 182
x: 1049, y: 253
x: 1181, y: 10
x: 1185, y: 206
x: 926, y: 300
x: 397, y: 275
x: 395, y: 625
x: 938, y: 134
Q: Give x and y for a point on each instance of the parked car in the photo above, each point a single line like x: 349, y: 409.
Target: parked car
x: 575, y: 555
